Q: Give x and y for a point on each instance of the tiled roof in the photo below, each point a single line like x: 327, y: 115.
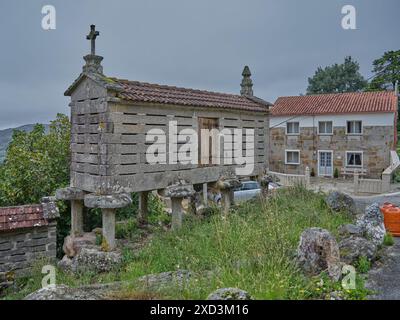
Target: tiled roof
x: 355, y: 102
x: 146, y: 92
x: 29, y: 216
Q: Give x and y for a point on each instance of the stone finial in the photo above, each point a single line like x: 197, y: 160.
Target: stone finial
x: 50, y: 209
x: 247, y: 84
x: 93, y: 62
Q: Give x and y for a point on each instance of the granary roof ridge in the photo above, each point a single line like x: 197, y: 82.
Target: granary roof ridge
x: 100, y: 79
x: 148, y: 92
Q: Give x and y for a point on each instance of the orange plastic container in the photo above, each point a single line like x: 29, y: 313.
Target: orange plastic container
x: 391, y: 216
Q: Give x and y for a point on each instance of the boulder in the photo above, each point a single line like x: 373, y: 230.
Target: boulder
x: 339, y: 201
x: 353, y: 248
x: 371, y: 224
x: 348, y: 230
x: 73, y: 245
x: 95, y: 260
x: 318, y: 251
x: 164, y: 279
x: 62, y: 292
x: 229, y: 294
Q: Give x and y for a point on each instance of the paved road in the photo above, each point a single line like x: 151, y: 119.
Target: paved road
x: 384, y: 280
x: 363, y: 201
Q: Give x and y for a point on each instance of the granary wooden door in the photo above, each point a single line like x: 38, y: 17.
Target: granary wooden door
x: 207, y: 149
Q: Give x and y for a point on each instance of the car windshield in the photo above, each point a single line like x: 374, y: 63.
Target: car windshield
x: 250, y: 186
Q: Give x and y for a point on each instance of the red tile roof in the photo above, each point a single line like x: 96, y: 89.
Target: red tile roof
x: 29, y: 216
x: 354, y: 102
x: 146, y: 92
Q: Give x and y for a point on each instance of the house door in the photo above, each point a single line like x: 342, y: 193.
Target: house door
x: 325, y: 165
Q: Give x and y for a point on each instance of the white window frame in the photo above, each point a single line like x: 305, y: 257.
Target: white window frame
x: 355, y: 166
x: 333, y: 167
x: 292, y: 163
x: 292, y: 134
x: 325, y: 134
x: 354, y: 134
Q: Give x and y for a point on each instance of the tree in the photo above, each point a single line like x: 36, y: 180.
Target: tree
x: 337, y: 78
x: 387, y: 71
x: 36, y: 163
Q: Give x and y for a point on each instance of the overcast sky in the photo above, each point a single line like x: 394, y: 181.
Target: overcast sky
x: 200, y: 44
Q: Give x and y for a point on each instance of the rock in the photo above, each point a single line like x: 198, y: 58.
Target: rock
x: 318, y: 251
x: 348, y: 230
x: 339, y: 201
x: 229, y: 294
x: 115, y: 201
x: 335, y: 295
x: 164, y: 279
x: 371, y: 224
x: 182, y: 189
x: 70, y: 193
x: 62, y: 292
x: 65, y: 264
x: 95, y: 260
x: 73, y: 245
x: 352, y: 248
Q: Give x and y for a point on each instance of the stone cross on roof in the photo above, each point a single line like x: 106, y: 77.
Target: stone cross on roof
x: 92, y: 37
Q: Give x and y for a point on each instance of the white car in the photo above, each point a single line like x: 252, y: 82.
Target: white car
x: 248, y: 190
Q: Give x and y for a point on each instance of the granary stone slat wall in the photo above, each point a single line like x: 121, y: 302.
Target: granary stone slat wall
x: 109, y: 142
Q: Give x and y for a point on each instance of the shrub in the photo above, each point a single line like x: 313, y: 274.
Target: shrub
x: 336, y: 173
x: 363, y: 264
x: 388, y: 240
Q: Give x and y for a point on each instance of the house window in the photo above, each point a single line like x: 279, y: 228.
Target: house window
x: 354, y: 127
x: 325, y: 127
x: 292, y: 157
x: 292, y: 128
x: 354, y: 159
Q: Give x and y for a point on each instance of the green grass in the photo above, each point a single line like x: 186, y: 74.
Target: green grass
x: 388, y: 239
x: 252, y: 248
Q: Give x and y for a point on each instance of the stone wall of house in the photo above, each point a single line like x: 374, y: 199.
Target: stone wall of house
x: 20, y: 248
x: 375, y: 142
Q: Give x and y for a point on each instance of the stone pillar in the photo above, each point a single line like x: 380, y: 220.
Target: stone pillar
x: 386, y: 179
x: 108, y: 204
x: 356, y: 181
x: 177, y: 192
x: 177, y: 213
x: 143, y: 206
x: 108, y: 228
x: 76, y: 197
x: 76, y: 217
x: 205, y: 194
x: 308, y: 175
x: 226, y: 186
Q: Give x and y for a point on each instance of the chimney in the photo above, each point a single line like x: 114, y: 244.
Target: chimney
x: 247, y: 84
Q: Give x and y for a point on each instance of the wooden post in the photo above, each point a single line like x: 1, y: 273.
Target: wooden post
x: 227, y: 200
x: 76, y: 218
x: 143, y: 206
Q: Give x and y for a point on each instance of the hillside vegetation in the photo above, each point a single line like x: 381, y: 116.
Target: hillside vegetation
x: 253, y: 248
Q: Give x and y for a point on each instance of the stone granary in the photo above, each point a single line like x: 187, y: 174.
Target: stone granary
x: 118, y: 124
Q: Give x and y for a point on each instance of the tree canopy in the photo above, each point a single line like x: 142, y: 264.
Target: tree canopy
x: 387, y: 71
x: 337, y: 78
x: 36, y: 163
